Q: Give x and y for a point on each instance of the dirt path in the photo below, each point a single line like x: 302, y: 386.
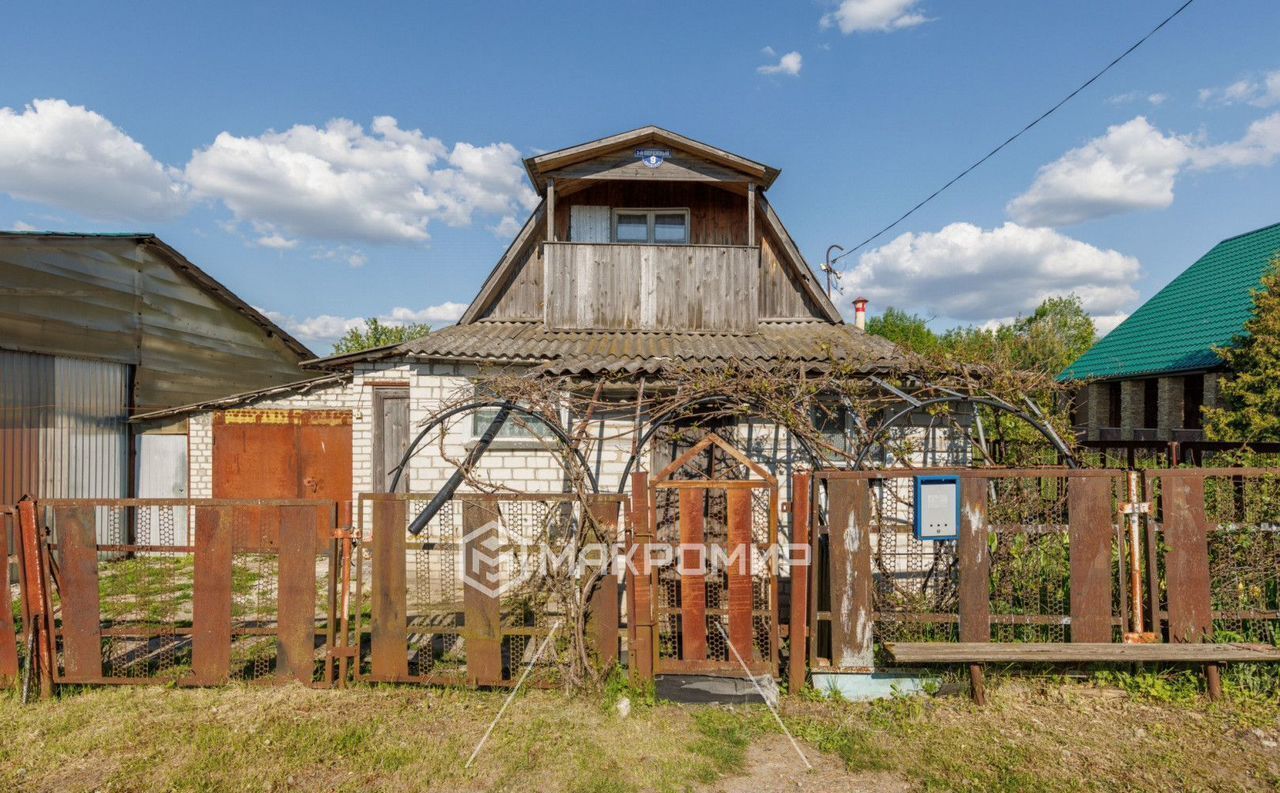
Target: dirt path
x: 772, y: 767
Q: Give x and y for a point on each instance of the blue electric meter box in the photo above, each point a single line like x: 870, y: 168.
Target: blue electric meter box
x: 937, y: 507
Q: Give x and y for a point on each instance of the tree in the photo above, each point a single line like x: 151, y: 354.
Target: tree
x: 1250, y: 394
x: 376, y: 334
x: 1054, y: 336
x: 908, y: 331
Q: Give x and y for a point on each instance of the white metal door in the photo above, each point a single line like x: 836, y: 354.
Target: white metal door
x: 162, y: 473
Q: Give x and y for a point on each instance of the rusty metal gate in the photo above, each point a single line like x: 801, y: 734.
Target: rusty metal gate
x: 703, y: 582
x: 228, y: 589
x: 465, y: 602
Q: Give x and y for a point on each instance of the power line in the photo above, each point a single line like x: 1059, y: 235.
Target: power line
x: 1017, y: 134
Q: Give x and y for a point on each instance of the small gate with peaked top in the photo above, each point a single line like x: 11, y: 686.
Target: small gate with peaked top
x: 703, y: 583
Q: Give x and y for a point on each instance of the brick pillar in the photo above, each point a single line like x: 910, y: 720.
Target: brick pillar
x: 1211, y: 389
x: 1131, y: 398
x: 1097, y: 409
x: 1170, y: 403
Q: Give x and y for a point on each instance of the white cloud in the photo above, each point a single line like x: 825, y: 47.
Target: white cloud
x: 57, y: 153
x: 320, y: 332
x: 21, y: 225
x: 974, y: 275
x: 788, y: 64
x: 341, y: 182
x: 1133, y: 166
x: 507, y: 227
x: 1260, y: 145
x: 1105, y: 323
x: 1261, y: 91
x: 276, y: 242
x: 874, y: 15
x: 1134, y: 96
x: 768, y: 52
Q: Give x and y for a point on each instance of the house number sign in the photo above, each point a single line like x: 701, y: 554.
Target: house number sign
x: 653, y: 157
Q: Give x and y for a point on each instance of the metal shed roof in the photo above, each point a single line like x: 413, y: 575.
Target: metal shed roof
x: 1177, y: 329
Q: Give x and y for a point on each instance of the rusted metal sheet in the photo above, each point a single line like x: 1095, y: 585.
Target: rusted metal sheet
x: 603, y: 611
x: 850, y: 571
x: 480, y: 597
x: 78, y: 589
x: 640, y: 617
x: 8, y: 637
x: 388, y: 622
x: 799, y: 617
x: 296, y: 590
x: 1187, y: 560
x: 35, y: 593
x: 740, y: 574
x: 280, y: 454
x: 211, y: 620
x: 974, y: 563
x: 1091, y: 533
x: 693, y: 586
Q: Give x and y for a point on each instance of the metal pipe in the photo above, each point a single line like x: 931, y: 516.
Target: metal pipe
x: 445, y: 493
x: 1135, y: 561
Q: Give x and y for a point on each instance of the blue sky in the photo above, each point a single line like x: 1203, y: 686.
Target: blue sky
x: 329, y: 161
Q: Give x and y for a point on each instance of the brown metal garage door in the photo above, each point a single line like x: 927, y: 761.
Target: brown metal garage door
x: 280, y: 454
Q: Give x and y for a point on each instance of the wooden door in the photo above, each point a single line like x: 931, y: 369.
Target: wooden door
x: 390, y: 437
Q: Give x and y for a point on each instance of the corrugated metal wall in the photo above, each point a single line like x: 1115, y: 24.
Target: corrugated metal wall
x: 86, y: 450
x: 63, y: 427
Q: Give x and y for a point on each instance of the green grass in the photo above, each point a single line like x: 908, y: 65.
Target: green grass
x: 1034, y: 734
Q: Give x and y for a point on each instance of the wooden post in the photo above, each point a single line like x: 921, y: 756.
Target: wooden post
x: 1187, y: 561
x: 751, y: 213
x: 602, y: 612
x: 551, y: 210
x: 1090, y: 534
x: 975, y: 574
x: 480, y: 592
x: 640, y: 648
x: 388, y: 623
x: 296, y: 595
x: 211, y: 615
x: 799, y: 572
x: 852, y: 637
x: 693, y: 585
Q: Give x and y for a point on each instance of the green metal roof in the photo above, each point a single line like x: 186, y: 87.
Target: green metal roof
x: 1177, y: 329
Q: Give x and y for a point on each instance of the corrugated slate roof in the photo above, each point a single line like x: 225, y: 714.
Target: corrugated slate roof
x: 592, y: 352
x: 1177, y: 329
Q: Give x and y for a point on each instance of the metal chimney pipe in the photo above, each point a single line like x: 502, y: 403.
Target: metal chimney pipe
x: 860, y: 313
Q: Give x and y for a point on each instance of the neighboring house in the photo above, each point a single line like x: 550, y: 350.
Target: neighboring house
x: 1149, y: 378
x: 95, y: 328
x: 648, y: 253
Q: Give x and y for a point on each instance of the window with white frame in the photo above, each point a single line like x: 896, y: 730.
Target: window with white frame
x: 651, y: 226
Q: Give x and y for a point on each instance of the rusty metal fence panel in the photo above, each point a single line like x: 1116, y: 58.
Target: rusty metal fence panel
x: 1215, y: 537
x: 10, y: 598
x: 1038, y: 558
x: 228, y: 606
x: 467, y: 602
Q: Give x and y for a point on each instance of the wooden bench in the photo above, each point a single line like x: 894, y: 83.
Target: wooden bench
x: 977, y: 653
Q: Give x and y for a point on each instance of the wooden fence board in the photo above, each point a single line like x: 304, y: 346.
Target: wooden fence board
x: 974, y: 562
x: 849, y: 549
x: 295, y: 655
x: 1090, y: 533
x: 388, y: 623
x: 81, y: 626
x: 480, y: 602
x: 211, y: 619
x: 1187, y: 561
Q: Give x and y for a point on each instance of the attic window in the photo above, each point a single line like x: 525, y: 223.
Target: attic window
x: 651, y: 226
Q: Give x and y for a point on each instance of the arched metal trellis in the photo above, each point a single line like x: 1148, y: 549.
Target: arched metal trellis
x: 505, y: 408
